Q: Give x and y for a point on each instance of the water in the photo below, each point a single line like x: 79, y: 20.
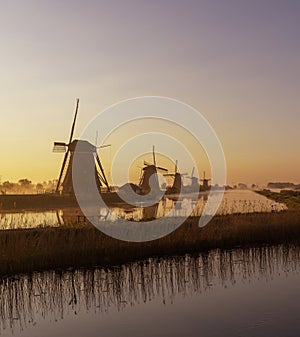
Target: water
x: 235, y: 201
x: 242, y: 292
x: 29, y: 219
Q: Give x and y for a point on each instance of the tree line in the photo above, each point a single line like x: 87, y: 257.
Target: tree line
x: 25, y: 185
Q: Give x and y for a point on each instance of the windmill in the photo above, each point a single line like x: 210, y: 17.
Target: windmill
x: 87, y: 153
x: 149, y: 171
x: 177, y: 182
x: 205, y: 186
x: 194, y: 187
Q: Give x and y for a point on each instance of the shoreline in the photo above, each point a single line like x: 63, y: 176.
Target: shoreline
x: 39, y: 249
x: 22, y: 202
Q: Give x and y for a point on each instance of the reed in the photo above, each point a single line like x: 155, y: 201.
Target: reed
x: 27, y: 250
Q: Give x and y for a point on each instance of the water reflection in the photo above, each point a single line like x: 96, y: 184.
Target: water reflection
x: 29, y: 219
x: 237, y: 201
x: 27, y: 300
x: 240, y: 201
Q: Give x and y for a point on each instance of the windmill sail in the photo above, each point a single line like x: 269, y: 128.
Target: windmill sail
x: 59, y: 147
x: 74, y: 121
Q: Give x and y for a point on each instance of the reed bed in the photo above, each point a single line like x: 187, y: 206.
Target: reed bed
x: 26, y: 250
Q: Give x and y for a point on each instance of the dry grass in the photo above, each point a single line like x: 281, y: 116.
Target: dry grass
x: 76, y: 246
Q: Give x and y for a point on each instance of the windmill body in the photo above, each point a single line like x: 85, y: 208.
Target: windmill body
x: 149, y: 183
x: 194, y: 186
x: 205, y: 183
x: 177, y: 186
x: 205, y: 186
x: 86, y: 154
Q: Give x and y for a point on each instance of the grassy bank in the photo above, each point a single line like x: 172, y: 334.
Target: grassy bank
x: 292, y: 202
x: 80, y: 246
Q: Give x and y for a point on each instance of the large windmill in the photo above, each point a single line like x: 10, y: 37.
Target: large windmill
x: 88, y: 158
x: 149, y: 172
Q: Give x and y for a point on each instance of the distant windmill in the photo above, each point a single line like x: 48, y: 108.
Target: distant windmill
x: 194, y: 187
x: 177, y: 182
x: 205, y: 186
x: 150, y: 171
x: 88, y: 158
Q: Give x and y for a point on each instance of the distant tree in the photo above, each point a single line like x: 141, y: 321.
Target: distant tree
x: 242, y: 186
x: 25, y: 185
x: 24, y: 182
x: 49, y: 186
x: 39, y: 188
x: 7, y: 185
x: 280, y: 185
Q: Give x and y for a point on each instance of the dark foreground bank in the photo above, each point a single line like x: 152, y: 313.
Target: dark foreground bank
x: 82, y: 246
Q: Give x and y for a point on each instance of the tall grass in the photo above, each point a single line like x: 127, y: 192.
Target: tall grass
x: 83, y: 245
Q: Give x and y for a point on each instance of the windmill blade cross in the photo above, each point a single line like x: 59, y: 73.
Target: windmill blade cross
x: 59, y: 147
x: 103, y: 146
x: 161, y: 168
x: 74, y: 121
x: 153, y: 152
x: 102, y: 177
x: 62, y: 170
x: 192, y: 174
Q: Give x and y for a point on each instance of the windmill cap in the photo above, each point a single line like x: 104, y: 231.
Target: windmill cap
x: 82, y: 146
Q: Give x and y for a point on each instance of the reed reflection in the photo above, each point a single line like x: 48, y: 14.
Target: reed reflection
x: 27, y: 299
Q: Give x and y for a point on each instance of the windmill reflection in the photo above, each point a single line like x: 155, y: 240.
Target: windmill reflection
x: 165, y: 207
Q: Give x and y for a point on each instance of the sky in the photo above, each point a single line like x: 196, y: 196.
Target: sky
x: 237, y: 62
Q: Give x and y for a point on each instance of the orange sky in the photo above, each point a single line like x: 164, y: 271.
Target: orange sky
x: 237, y: 63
